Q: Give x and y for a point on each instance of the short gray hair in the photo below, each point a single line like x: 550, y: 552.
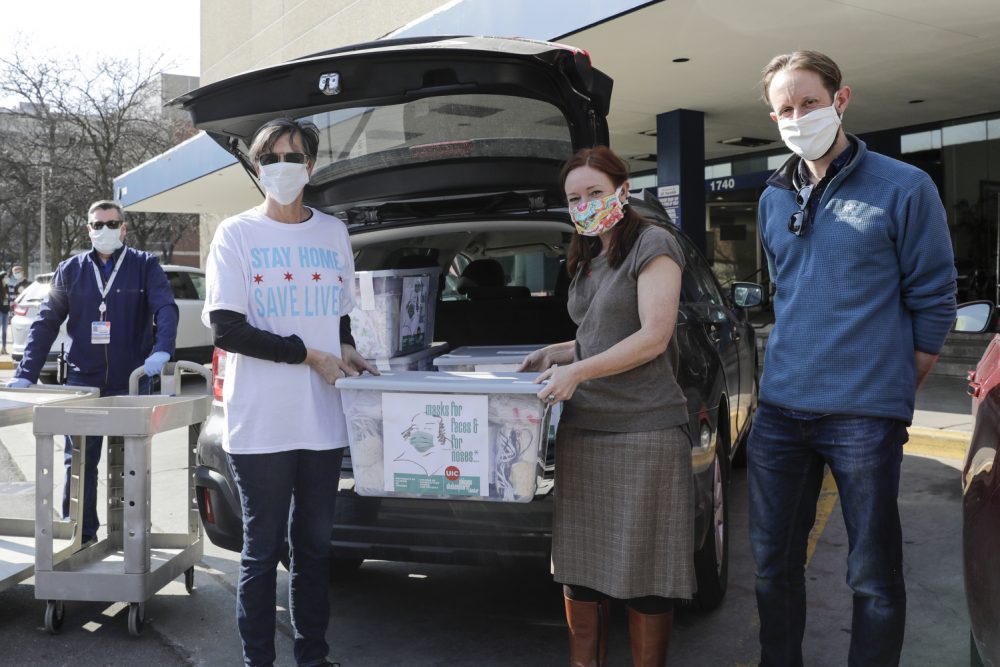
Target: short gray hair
x: 269, y: 133
x: 104, y: 205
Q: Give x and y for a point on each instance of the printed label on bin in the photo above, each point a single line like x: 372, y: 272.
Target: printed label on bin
x: 436, y: 444
x: 413, y: 312
x: 367, y: 288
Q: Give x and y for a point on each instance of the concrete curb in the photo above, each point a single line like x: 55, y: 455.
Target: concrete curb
x: 939, y: 443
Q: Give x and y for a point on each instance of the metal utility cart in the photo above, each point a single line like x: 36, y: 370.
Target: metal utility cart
x: 17, y: 535
x: 132, y: 562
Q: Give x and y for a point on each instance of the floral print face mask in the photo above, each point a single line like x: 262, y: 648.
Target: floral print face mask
x: 596, y: 216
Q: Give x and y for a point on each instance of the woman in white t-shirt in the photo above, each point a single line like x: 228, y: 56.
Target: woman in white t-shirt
x: 279, y: 289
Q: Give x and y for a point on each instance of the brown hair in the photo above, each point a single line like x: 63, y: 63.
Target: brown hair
x: 623, y: 236
x: 814, y: 61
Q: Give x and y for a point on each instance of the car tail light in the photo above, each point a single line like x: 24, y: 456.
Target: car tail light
x: 20, y: 310
x: 206, y: 503
x: 218, y: 372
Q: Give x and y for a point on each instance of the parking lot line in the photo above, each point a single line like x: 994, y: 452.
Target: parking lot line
x: 824, y: 507
x: 937, y: 443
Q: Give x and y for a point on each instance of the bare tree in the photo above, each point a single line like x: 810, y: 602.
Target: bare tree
x: 79, y: 126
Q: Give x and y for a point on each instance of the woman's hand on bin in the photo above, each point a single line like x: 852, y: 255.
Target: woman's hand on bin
x: 548, y: 356
x: 562, y: 383
x: 329, y: 366
x: 356, y: 361
x: 536, y: 361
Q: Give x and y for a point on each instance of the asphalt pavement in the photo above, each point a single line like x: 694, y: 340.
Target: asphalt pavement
x: 392, y: 614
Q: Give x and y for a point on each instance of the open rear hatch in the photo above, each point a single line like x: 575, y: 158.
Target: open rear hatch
x: 435, y: 118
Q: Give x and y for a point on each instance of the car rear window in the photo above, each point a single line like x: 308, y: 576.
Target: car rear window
x: 186, y: 285
x: 358, y: 140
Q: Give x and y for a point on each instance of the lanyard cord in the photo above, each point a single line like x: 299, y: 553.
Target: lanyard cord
x: 105, y: 288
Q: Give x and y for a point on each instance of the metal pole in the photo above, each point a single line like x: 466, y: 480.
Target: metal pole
x: 42, y: 264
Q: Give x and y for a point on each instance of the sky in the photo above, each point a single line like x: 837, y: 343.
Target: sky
x: 71, y: 29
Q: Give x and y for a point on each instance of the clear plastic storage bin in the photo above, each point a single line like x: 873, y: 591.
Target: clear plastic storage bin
x: 394, y: 311
x: 493, y: 358
x: 415, y: 361
x: 474, y: 436
x: 485, y: 357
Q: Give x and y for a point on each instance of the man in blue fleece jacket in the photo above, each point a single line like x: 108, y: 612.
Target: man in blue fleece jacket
x: 859, y: 252
x: 110, y: 297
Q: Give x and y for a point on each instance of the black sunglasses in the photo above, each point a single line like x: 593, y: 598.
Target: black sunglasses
x: 799, y: 220
x: 110, y: 224
x: 273, y: 158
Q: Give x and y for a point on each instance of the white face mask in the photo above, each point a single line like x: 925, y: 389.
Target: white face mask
x: 106, y: 240
x: 283, y: 181
x: 812, y: 135
x: 18, y: 276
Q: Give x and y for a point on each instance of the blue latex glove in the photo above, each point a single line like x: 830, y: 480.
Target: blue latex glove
x: 154, y: 364
x: 20, y: 383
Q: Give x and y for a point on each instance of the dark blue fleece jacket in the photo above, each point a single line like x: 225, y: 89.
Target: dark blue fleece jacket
x: 871, y: 281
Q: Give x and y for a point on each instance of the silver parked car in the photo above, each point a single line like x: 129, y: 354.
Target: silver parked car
x: 194, y: 339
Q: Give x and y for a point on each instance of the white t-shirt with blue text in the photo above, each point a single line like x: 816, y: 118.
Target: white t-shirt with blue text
x: 287, y: 279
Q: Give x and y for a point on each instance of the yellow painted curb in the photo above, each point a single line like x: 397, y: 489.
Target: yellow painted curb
x: 7, y: 365
x: 938, y: 443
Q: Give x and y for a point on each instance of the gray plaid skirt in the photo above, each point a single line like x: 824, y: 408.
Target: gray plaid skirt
x: 624, y: 512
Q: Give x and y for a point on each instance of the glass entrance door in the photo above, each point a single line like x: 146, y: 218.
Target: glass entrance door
x: 731, y: 242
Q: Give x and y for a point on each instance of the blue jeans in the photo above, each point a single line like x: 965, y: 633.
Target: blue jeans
x: 786, y: 453
x: 285, y: 495
x: 94, y: 446
x: 4, y: 315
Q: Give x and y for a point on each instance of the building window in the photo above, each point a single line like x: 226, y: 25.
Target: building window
x: 775, y: 161
x: 718, y: 170
x: 951, y: 135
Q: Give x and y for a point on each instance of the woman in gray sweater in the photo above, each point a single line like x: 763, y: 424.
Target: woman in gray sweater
x: 624, y: 512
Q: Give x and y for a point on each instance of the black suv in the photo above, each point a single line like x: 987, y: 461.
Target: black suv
x: 446, y: 152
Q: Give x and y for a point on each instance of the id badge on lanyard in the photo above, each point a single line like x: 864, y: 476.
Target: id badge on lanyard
x: 100, y: 331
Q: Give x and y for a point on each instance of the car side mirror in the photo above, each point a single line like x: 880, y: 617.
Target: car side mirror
x: 975, y: 317
x: 746, y: 295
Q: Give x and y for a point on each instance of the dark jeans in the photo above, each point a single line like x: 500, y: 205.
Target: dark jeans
x: 4, y: 316
x: 94, y: 447
x: 786, y: 454
x: 288, y: 494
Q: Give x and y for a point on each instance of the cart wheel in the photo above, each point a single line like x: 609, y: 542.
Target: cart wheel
x: 136, y: 618
x: 55, y: 612
x: 189, y: 579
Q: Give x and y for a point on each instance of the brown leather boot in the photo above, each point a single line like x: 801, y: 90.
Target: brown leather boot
x: 588, y: 632
x: 650, y: 635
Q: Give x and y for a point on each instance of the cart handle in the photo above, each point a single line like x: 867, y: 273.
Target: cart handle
x: 168, y: 368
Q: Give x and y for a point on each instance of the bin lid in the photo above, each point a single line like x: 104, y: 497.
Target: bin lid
x: 436, y: 348
x: 486, y: 354
x: 450, y: 382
